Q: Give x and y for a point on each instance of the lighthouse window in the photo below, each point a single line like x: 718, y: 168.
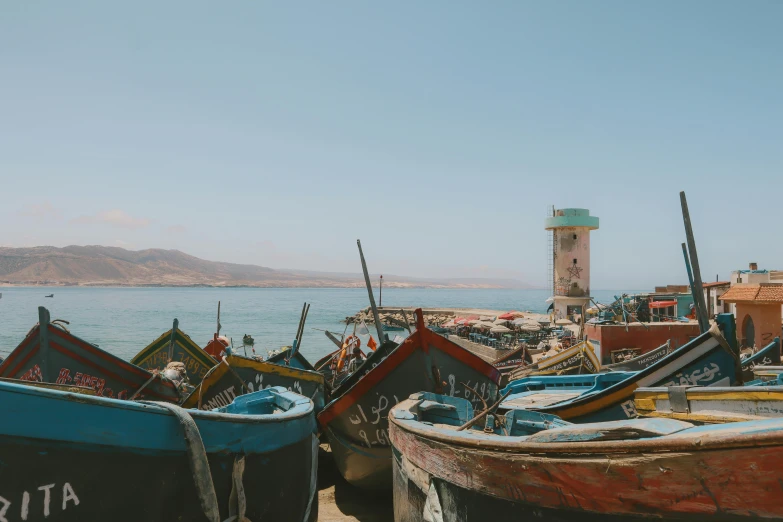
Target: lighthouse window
x: 574, y: 261
x: 574, y: 236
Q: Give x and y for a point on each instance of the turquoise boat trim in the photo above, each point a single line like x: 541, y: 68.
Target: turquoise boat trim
x: 99, y: 422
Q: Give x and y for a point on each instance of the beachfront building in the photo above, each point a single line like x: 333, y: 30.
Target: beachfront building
x: 571, y: 260
x: 757, y: 311
x: 712, y: 293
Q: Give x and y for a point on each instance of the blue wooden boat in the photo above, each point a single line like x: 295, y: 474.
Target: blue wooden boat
x: 50, y: 353
x: 708, y: 360
x: 176, y: 346
x: 356, y: 420
x: 235, y: 376
x: 767, y: 356
x: 76, y: 457
x: 528, y: 465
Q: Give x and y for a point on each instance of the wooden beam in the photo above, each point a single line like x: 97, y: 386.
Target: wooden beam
x: 698, y: 289
x: 378, y: 326
x: 43, y: 340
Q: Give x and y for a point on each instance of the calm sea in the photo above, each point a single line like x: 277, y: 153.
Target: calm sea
x: 124, y: 320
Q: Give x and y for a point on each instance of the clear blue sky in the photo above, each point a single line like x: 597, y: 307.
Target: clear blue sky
x: 438, y: 132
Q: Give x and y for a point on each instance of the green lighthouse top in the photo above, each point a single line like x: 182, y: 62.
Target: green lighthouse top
x: 571, y: 217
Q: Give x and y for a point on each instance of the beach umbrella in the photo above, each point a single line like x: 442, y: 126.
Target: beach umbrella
x: 485, y: 318
x: 501, y: 321
x: 449, y: 324
x: 474, y: 322
x: 507, y: 315
x: 562, y: 322
x: 544, y: 321
x: 520, y: 321
x: 499, y: 329
x: 530, y: 327
x: 517, y: 314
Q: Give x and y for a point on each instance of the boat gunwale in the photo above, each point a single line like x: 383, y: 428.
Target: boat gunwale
x: 672, y: 443
x: 301, y: 407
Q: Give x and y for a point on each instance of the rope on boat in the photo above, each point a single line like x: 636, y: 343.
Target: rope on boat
x: 202, y: 476
x: 199, y: 465
x: 235, y: 374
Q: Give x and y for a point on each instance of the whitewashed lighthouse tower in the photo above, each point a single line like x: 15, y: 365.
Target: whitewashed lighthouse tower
x: 571, y: 259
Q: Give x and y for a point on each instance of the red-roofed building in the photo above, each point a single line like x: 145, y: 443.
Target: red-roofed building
x: 757, y: 311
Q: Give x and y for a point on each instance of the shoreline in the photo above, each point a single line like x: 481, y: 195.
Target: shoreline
x: 395, y: 286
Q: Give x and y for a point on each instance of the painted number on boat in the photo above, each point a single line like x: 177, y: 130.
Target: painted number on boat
x: 47, y: 500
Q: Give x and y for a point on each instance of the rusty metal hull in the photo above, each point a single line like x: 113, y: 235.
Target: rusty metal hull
x: 723, y: 472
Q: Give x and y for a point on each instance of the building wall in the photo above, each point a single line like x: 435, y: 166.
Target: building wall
x: 750, y: 277
x: 645, y: 337
x: 572, y: 278
x: 715, y: 306
x: 766, y: 321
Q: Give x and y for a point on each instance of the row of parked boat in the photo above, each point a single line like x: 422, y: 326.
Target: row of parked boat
x: 185, y: 433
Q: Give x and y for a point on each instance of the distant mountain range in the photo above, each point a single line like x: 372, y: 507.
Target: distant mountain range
x: 113, y: 266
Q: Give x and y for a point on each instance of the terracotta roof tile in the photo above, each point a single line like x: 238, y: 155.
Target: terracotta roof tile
x: 772, y: 293
x: 740, y: 293
x: 760, y: 293
x: 715, y: 283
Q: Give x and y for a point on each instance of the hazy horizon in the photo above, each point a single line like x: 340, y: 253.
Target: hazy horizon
x: 438, y: 133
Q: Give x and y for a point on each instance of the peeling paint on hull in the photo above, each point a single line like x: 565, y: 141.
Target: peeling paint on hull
x: 727, y: 480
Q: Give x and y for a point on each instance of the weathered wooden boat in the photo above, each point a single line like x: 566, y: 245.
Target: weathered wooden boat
x: 766, y: 356
x: 295, y: 360
x: 532, y: 466
x: 577, y: 359
x: 109, y: 459
x: 640, y: 362
x: 176, y: 346
x: 708, y: 360
x: 510, y: 362
x: 356, y: 421
x: 236, y: 375
x: 50, y: 353
x: 708, y: 405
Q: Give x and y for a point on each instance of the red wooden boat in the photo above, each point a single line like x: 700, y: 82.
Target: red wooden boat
x: 538, y: 467
x: 52, y: 354
x: 356, y: 422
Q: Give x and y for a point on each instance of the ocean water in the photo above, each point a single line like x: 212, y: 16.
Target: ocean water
x: 125, y: 320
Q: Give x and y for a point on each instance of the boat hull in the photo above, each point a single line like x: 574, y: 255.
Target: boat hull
x: 356, y: 423
x: 239, y: 375
x: 638, y: 363
x: 96, y: 483
x: 155, y: 356
x: 767, y: 356
x: 705, y: 361
x: 472, y: 483
x: 91, y: 458
x: 53, y: 355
